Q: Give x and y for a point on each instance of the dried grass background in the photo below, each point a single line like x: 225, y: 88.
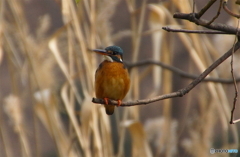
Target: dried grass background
x: 47, y: 80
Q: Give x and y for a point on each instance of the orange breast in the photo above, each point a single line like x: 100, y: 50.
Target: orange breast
x: 111, y: 81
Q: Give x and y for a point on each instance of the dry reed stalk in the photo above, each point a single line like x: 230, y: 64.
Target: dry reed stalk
x: 13, y: 108
x: 157, y: 19
x: 164, y: 55
x: 1, y: 29
x: 4, y: 136
x: 50, y: 116
x: 74, y: 122
x: 155, y: 130
x: 15, y: 61
x: 140, y: 146
x: 136, y: 27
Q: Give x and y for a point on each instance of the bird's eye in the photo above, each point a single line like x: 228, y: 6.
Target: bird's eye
x: 112, y: 52
x: 109, y: 52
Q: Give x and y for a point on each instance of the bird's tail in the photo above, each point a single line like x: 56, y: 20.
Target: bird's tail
x: 109, y: 109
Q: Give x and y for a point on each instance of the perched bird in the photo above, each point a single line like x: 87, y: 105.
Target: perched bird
x: 111, y: 78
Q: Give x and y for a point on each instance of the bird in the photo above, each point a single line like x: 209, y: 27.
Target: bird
x: 111, y: 78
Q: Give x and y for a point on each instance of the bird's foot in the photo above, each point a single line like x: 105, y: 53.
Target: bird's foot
x: 119, y: 103
x: 106, y: 100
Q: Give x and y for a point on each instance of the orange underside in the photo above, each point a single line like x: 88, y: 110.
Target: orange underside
x: 112, y: 82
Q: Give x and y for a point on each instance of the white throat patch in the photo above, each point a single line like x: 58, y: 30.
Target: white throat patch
x: 108, y: 58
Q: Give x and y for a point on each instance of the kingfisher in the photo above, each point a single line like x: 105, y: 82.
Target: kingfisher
x: 111, y: 78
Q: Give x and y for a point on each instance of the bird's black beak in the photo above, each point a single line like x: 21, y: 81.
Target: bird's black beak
x: 100, y: 51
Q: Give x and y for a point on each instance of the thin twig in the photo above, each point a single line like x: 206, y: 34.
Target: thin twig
x: 214, y: 26
x: 218, y: 13
x: 178, y: 71
x: 179, y: 93
x: 229, y: 11
x: 194, y: 5
x: 235, y: 121
x: 193, y: 31
x: 235, y: 83
x: 204, y: 9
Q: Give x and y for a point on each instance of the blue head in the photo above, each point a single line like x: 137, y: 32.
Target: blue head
x: 112, y: 53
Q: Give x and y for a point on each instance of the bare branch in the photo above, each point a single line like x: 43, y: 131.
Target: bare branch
x: 178, y: 71
x: 214, y: 26
x: 179, y: 93
x: 229, y: 12
x: 193, y: 31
